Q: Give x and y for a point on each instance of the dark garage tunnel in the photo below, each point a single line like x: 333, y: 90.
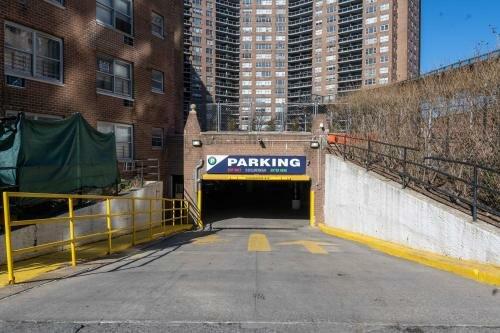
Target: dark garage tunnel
x: 224, y: 200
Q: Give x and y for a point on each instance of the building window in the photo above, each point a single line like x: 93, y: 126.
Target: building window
x: 116, y: 14
x: 157, y: 81
x: 157, y: 25
x: 369, y: 82
x: 157, y: 138
x: 32, y: 54
x: 34, y: 116
x: 114, y: 77
x: 56, y: 2
x: 123, y: 136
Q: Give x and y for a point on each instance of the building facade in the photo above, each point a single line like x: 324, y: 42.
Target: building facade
x: 118, y: 63
x: 262, y: 54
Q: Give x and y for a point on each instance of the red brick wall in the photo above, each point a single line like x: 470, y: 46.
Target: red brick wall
x: 83, y: 39
x: 275, y: 144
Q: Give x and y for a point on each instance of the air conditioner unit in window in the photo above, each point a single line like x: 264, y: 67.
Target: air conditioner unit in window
x: 15, y: 81
x: 128, y: 40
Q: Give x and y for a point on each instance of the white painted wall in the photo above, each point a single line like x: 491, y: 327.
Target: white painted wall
x: 366, y: 203
x: 41, y: 234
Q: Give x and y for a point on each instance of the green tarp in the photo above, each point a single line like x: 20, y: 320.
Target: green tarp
x: 60, y: 156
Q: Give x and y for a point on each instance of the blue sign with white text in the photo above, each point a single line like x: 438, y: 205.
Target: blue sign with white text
x: 237, y: 164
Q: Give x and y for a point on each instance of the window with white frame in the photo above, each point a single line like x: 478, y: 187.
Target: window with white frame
x: 56, y: 2
x: 157, y: 25
x: 384, y: 18
x: 123, y: 137
x: 384, y: 39
x: 157, y: 138
x: 114, y: 77
x: 157, y: 81
x: 117, y: 14
x: 32, y: 54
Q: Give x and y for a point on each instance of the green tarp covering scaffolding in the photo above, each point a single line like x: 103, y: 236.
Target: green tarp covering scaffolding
x: 61, y: 156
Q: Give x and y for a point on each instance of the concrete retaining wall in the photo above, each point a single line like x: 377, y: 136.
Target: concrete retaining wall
x: 42, y: 234
x: 366, y: 203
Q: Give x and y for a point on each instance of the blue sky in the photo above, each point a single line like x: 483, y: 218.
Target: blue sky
x: 453, y: 30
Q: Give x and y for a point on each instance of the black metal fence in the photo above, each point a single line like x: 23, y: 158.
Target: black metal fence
x: 250, y: 117
x: 465, y: 184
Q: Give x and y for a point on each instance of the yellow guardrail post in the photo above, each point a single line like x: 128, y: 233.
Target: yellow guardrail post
x: 108, y: 224
x: 312, y: 220
x: 198, y: 204
x: 150, y: 219
x: 187, y: 211
x: 163, y: 217
x: 71, y: 215
x: 133, y: 221
x: 8, y: 238
x: 172, y: 204
x: 181, y: 204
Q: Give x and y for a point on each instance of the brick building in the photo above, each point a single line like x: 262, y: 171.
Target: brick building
x: 117, y: 62
x: 263, y: 54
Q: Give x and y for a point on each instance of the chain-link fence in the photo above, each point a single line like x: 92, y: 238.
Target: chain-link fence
x: 223, y: 117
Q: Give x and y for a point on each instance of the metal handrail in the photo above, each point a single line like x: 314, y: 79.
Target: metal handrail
x: 172, y: 211
x: 370, y: 157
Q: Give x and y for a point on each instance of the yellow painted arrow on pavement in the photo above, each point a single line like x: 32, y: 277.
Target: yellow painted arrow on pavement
x: 210, y: 239
x: 311, y: 246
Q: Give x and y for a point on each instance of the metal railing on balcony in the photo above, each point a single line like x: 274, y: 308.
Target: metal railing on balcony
x: 298, y: 3
x: 350, y: 9
x: 351, y: 28
x: 225, y: 20
x: 351, y: 48
x: 226, y: 57
x: 347, y: 39
x: 299, y: 30
x: 348, y: 88
x: 350, y: 18
x: 300, y: 12
x: 345, y: 59
x: 303, y: 20
x: 350, y: 68
x: 231, y: 4
x: 349, y: 78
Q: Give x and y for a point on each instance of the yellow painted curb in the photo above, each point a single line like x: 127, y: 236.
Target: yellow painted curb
x: 484, y: 273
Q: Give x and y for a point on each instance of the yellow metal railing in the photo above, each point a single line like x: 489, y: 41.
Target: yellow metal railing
x: 142, y: 213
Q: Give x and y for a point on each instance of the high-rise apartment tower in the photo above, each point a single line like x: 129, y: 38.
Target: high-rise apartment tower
x: 266, y: 53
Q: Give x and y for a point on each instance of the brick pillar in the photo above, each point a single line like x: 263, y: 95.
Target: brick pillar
x: 319, y: 132
x: 192, y: 155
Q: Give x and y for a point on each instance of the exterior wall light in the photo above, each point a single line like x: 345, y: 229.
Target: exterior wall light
x: 314, y: 144
x: 196, y: 143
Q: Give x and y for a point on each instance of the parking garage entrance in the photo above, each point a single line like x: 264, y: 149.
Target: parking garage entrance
x: 227, y: 197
